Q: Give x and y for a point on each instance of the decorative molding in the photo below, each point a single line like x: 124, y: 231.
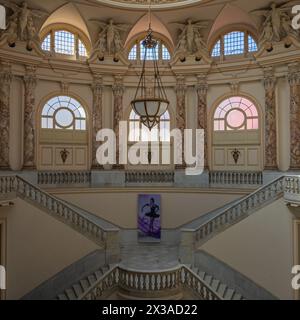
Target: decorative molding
x: 97, y: 88
x: 270, y: 120
x: 30, y: 82
x: 294, y: 82
x: 5, y: 85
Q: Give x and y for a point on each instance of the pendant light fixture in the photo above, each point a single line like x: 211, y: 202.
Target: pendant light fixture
x: 150, y: 101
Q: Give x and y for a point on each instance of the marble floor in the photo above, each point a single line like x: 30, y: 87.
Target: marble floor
x: 149, y: 256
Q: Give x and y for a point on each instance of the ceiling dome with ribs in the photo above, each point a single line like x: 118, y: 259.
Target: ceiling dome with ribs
x: 156, y: 4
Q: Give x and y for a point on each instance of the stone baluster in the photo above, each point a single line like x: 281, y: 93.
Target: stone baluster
x: 5, y: 84
x: 180, y: 113
x: 97, y: 88
x: 30, y: 83
x: 202, y: 89
x: 270, y: 120
x: 294, y: 82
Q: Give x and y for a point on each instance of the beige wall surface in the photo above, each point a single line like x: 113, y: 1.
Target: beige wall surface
x: 261, y: 248
x: 120, y: 208
x: 37, y: 247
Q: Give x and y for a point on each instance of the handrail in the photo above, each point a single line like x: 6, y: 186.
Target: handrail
x: 57, y: 208
x: 237, y: 211
x: 155, y: 281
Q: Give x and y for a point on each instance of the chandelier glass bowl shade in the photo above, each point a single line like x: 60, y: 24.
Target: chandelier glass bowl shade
x: 150, y: 101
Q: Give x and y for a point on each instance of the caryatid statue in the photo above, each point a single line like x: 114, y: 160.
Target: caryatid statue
x: 21, y: 24
x: 190, y: 40
x: 277, y: 25
x: 109, y: 39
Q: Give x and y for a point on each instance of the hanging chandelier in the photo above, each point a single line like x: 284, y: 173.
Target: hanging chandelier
x: 150, y: 101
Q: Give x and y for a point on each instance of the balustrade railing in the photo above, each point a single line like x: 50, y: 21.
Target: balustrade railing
x: 64, y: 177
x: 150, y: 284
x: 235, y: 178
x: 149, y: 177
x: 194, y: 238
x: 57, y: 209
x: 292, y: 189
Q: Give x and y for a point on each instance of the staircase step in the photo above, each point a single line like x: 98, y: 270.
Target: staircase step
x: 98, y: 274
x: 62, y: 297
x: 104, y: 269
x: 84, y: 284
x: 229, y: 294
x: 215, y: 284
x: 92, y: 279
x: 77, y: 289
x: 195, y: 269
x: 208, y: 279
x: 237, y: 296
x: 70, y: 294
x: 201, y: 274
x: 221, y: 290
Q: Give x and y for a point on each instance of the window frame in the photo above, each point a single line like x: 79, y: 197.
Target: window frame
x: 162, y: 41
x: 227, y: 126
x: 78, y: 36
x: 220, y: 37
x: 136, y: 119
x: 55, y: 124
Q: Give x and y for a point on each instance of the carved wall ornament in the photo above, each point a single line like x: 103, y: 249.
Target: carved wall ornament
x: 64, y: 155
x: 110, y: 41
x: 202, y: 88
x: 21, y: 25
x: 235, y: 155
x: 277, y: 25
x: 97, y: 89
x: 294, y: 82
x: 190, y: 40
x: 270, y: 120
x: 5, y: 84
x: 30, y: 82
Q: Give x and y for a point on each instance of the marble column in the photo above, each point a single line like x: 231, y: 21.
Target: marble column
x: 118, y: 93
x: 201, y: 89
x: 5, y: 85
x: 30, y: 83
x: 180, y: 90
x: 97, y: 88
x: 294, y: 82
x: 270, y: 121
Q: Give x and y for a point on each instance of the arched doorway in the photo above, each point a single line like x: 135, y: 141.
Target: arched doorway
x: 236, y: 142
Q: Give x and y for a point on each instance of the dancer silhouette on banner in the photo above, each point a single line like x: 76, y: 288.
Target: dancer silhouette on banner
x: 152, y: 214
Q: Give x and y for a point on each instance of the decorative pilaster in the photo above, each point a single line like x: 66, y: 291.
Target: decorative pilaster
x: 294, y: 82
x: 270, y: 120
x: 30, y: 83
x: 201, y: 89
x: 97, y: 89
x: 5, y: 84
x: 180, y: 111
x: 118, y: 92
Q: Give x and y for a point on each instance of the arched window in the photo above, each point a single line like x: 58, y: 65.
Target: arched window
x: 63, y: 41
x: 63, y: 112
x: 236, y: 113
x: 139, y: 132
x: 234, y: 43
x: 137, y: 52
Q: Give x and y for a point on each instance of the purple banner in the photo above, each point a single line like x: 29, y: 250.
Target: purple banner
x: 149, y: 217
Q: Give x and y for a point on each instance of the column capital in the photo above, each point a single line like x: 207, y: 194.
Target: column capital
x: 201, y: 86
x: 269, y: 80
x: 97, y: 85
x: 180, y: 87
x: 30, y: 78
x: 118, y: 87
x: 293, y: 74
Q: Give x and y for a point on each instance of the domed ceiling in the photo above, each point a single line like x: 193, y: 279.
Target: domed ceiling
x: 156, y: 4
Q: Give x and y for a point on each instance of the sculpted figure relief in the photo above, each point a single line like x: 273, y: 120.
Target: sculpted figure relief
x: 109, y: 39
x: 277, y: 25
x: 21, y: 25
x: 190, y: 40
